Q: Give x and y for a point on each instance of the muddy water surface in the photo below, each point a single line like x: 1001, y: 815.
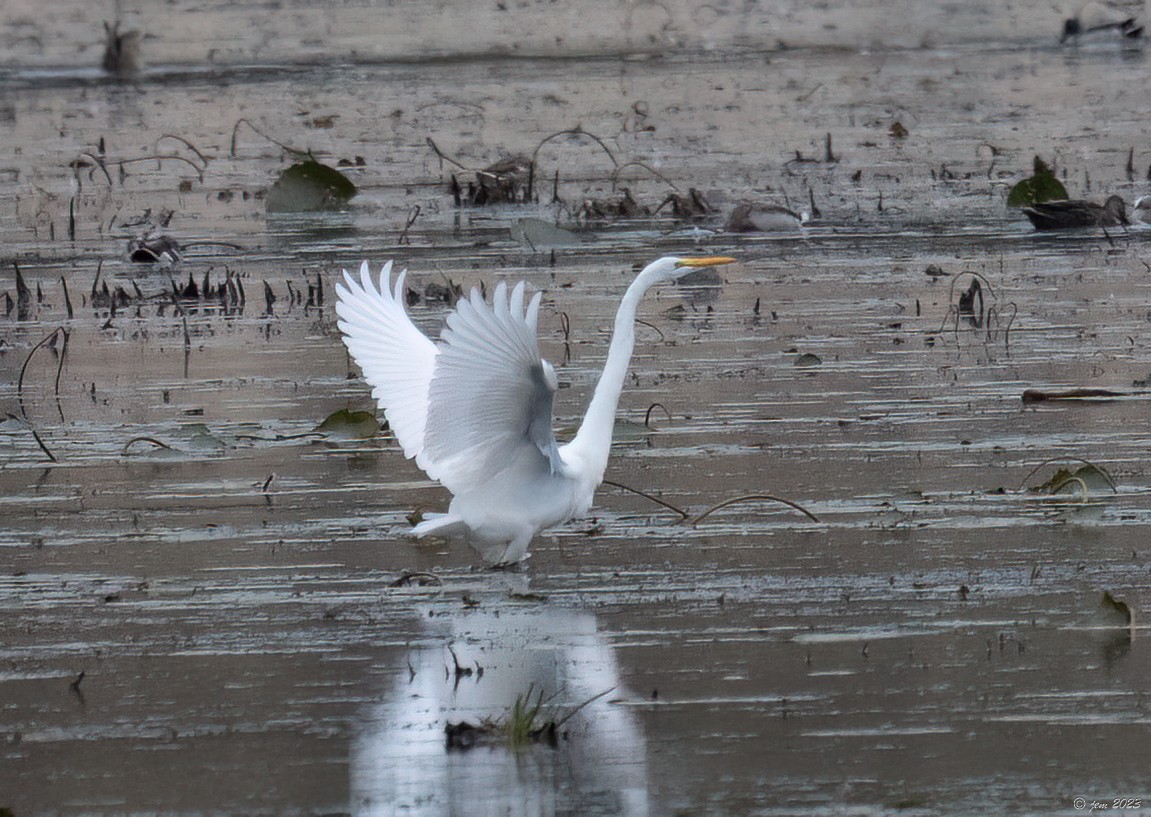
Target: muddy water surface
x: 202, y: 605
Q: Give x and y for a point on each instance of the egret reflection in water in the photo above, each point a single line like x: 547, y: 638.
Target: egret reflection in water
x: 472, y: 669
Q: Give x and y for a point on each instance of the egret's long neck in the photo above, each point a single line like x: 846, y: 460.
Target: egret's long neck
x: 592, y: 443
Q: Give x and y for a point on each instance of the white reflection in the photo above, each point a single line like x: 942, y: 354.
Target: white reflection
x: 401, y: 764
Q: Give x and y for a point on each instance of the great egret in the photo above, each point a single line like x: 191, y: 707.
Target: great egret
x: 1068, y: 214
x: 475, y: 409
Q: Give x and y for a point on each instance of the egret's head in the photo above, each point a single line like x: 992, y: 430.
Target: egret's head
x: 671, y: 268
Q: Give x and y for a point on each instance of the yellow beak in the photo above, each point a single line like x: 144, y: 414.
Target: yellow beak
x: 710, y: 261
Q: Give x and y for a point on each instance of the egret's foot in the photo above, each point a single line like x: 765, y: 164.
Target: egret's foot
x: 518, y: 566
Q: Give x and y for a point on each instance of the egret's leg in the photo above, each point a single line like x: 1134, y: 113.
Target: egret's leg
x: 516, y: 550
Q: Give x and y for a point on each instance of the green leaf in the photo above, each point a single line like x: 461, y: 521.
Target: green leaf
x: 1040, y: 186
x: 350, y: 425
x: 309, y: 185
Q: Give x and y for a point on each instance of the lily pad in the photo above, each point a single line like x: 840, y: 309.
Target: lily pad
x: 1039, y: 187
x: 1085, y: 479
x: 309, y: 185
x: 349, y: 425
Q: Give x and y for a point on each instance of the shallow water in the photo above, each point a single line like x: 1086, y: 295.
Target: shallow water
x: 229, y: 583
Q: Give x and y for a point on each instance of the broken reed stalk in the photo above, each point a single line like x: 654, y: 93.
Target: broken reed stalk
x: 412, y: 216
x: 67, y: 297
x: 183, y: 317
x: 1102, y: 471
x: 51, y: 337
x: 682, y: 514
x: 756, y: 498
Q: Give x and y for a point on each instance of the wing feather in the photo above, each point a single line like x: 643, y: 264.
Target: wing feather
x: 397, y: 359
x: 490, y: 400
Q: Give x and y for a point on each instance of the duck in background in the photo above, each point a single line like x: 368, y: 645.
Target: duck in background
x: 1071, y: 213
x: 1102, y: 21
x: 752, y: 217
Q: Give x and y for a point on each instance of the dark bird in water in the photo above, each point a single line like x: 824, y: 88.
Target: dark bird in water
x: 1068, y: 214
x: 1099, y: 19
x: 750, y: 217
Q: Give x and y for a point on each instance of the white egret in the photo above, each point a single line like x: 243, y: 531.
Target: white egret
x: 475, y: 409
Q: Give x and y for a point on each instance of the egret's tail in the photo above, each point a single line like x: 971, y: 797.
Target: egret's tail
x: 441, y: 524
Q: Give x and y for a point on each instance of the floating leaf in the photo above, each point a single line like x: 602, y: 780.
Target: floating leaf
x: 309, y: 185
x: 1117, y: 622
x: 1085, y: 479
x: 350, y: 425
x: 1116, y: 612
x: 1040, y: 186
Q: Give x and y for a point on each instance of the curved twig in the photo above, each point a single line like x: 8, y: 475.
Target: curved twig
x: 592, y: 699
x: 152, y: 440
x: 995, y: 311
x: 576, y: 131
x: 160, y: 157
x: 650, y: 409
x: 662, y: 338
x: 244, y: 121
x: 99, y: 163
x: 20, y: 380
x: 1050, y: 460
x: 973, y: 274
x: 755, y: 497
x: 40, y: 443
x: 60, y: 370
x: 683, y: 514
x: 408, y: 576
x: 186, y: 144
x: 1084, y: 491
x: 436, y: 149
x: 634, y: 163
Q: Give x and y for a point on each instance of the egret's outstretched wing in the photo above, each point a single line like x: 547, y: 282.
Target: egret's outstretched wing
x: 490, y: 400
x: 397, y: 359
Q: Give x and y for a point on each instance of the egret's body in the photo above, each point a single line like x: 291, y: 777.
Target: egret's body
x: 475, y: 409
